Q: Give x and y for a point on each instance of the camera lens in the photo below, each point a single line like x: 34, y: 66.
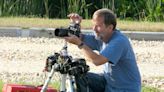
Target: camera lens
x: 61, y: 32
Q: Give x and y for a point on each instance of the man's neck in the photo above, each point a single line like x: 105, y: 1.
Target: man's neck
x: 108, y: 37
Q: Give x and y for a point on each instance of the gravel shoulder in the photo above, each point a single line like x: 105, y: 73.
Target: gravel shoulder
x: 24, y: 58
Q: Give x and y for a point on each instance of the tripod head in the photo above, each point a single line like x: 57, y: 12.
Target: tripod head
x: 65, y: 64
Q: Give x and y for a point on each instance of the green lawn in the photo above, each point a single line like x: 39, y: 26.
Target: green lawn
x: 150, y: 89
x: 1, y: 85
x: 24, y: 22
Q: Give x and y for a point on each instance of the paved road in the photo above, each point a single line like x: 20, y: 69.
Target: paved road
x: 49, y: 32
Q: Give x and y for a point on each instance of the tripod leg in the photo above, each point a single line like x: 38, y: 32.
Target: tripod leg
x: 63, y: 83
x: 44, y: 88
x: 71, y: 84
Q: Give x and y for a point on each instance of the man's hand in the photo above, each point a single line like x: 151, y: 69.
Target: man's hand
x: 75, y: 18
x: 73, y: 39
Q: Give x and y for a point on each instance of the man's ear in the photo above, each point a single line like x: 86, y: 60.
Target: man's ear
x: 110, y: 27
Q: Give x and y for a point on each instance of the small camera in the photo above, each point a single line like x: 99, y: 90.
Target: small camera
x: 50, y: 61
x: 72, y: 29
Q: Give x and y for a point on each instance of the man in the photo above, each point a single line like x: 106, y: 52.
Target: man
x: 121, y: 73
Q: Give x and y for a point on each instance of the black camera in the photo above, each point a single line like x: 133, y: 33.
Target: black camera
x: 50, y: 61
x: 78, y: 67
x: 72, y: 29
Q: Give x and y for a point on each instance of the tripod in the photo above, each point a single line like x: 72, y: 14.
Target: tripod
x: 68, y: 67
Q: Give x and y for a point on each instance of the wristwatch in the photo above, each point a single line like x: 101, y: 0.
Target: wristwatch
x: 80, y: 46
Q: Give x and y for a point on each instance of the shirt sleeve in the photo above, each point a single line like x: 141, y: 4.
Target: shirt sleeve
x: 114, y: 50
x: 89, y: 40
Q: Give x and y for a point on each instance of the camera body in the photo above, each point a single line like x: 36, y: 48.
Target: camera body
x: 72, y: 29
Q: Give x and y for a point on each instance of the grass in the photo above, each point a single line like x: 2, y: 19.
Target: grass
x: 24, y: 22
x: 1, y: 85
x: 141, y: 26
x: 150, y: 89
x: 56, y: 86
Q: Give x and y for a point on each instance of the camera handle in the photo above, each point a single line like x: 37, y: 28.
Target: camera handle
x: 64, y: 53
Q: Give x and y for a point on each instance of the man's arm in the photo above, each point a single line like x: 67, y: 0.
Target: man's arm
x: 96, y: 58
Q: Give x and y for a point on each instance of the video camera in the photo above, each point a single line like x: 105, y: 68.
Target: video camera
x: 72, y: 29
